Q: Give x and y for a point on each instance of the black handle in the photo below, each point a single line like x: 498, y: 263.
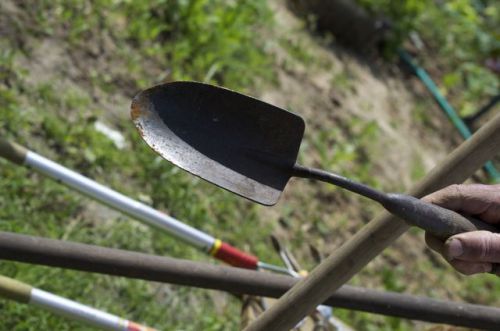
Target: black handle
x: 440, y: 222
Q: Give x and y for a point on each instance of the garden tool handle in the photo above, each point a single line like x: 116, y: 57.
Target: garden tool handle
x: 233, y: 256
x: 442, y: 223
x: 14, y: 289
x: 438, y: 221
x: 12, y: 151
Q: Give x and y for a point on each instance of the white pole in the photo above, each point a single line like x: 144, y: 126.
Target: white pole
x: 119, y: 201
x: 215, y: 247
x: 21, y: 292
x: 76, y: 311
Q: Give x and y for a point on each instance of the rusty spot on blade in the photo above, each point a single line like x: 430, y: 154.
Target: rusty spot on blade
x: 135, y: 110
x: 138, y: 111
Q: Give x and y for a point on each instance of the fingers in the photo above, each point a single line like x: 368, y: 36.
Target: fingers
x: 434, y: 243
x: 469, y: 253
x: 471, y: 268
x: 475, y: 246
x: 474, y: 199
x: 448, y: 197
x: 464, y: 267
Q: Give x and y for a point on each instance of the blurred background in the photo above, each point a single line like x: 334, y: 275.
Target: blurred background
x: 68, y: 72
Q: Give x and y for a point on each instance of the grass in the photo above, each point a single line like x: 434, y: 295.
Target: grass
x: 59, y: 123
x: 456, y: 55
x: 34, y: 205
x: 128, y: 45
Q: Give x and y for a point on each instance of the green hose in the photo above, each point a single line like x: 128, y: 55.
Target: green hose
x: 446, y: 107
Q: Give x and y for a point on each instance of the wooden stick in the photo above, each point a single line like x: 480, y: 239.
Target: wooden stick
x: 373, y: 238
x: 117, y: 262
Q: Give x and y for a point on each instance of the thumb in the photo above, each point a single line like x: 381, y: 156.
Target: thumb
x: 475, y: 246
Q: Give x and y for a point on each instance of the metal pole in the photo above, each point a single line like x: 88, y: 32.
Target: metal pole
x: 203, y: 241
x: 373, y: 238
x: 21, y: 292
x: 58, y: 253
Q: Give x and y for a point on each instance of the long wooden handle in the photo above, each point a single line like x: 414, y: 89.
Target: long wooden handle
x: 12, y: 151
x: 373, y: 238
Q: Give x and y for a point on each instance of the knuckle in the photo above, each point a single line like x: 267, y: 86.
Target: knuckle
x: 447, y: 197
x: 487, y: 245
x: 481, y: 246
x: 457, y: 190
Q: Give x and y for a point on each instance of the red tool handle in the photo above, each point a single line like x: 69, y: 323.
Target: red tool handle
x: 234, y: 256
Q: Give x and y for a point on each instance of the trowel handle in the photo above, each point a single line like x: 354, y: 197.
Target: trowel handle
x: 440, y: 222
x: 12, y: 151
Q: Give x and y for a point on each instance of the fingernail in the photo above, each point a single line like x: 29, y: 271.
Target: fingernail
x: 455, y: 248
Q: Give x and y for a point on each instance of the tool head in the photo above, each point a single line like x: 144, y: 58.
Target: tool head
x: 232, y: 140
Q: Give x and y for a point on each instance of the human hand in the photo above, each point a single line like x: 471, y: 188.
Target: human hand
x: 470, y: 252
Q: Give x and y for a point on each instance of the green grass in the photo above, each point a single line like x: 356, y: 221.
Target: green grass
x: 222, y: 42
x: 34, y: 205
x: 59, y: 123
